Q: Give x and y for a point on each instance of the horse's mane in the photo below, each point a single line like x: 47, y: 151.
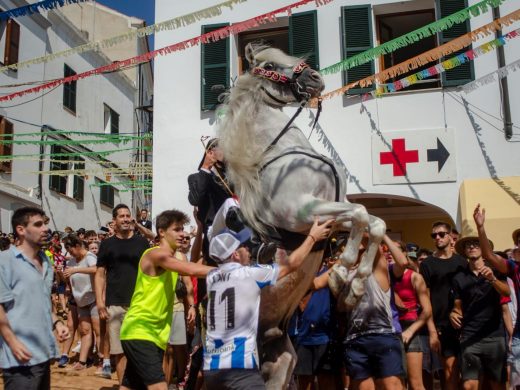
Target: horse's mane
x: 239, y: 139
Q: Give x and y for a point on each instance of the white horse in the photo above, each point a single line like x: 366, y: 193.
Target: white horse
x: 282, y: 182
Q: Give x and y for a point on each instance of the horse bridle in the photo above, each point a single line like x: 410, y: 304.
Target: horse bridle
x: 299, y: 92
x: 280, y: 78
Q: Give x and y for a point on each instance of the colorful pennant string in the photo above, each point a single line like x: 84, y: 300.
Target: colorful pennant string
x: 122, y: 183
x: 171, y: 24
x: 65, y: 142
x: 213, y: 36
x: 412, y: 37
x: 426, y: 57
x: 448, y: 64
x: 120, y: 136
x: 491, y: 77
x: 72, y: 154
x: 36, y: 8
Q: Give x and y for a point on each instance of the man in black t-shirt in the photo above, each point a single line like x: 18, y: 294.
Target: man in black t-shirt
x: 438, y: 271
x: 118, y: 259
x: 477, y: 311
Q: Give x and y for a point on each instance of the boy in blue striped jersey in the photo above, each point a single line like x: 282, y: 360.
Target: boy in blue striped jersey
x: 230, y: 355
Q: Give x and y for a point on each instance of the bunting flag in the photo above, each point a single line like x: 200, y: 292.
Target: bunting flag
x: 171, y: 24
x: 122, y: 183
x: 71, y: 154
x: 450, y: 63
x: 120, y: 136
x: 413, y: 37
x: 36, y: 8
x: 119, y: 171
x: 491, y: 77
x: 4, y: 140
x: 427, y: 57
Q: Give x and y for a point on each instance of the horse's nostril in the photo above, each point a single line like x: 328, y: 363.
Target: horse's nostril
x: 315, y: 75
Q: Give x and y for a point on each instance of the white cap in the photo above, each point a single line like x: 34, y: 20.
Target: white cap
x: 222, y: 246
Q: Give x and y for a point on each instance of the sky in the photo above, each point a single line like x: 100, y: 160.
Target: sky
x: 142, y: 9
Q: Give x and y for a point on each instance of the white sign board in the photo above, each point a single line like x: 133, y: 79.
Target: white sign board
x: 413, y: 156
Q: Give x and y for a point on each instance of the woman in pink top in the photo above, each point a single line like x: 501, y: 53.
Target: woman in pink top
x: 416, y: 309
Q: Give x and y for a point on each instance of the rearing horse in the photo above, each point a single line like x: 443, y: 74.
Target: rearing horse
x: 282, y: 182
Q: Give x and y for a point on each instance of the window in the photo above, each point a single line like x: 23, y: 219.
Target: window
x: 393, y: 25
x: 111, y: 120
x: 9, y: 41
x: 274, y: 37
x: 6, y: 133
x: 69, y: 90
x: 66, y: 183
x: 106, y: 194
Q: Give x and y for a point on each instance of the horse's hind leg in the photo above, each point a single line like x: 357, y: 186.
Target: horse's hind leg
x: 343, y: 212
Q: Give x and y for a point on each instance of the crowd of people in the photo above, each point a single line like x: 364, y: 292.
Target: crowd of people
x: 179, y: 309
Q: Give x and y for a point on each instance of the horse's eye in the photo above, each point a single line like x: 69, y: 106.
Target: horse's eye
x: 269, y: 66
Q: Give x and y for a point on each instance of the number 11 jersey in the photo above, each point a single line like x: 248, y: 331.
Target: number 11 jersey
x: 232, y: 314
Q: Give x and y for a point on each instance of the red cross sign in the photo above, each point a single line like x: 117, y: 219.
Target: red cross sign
x: 399, y: 157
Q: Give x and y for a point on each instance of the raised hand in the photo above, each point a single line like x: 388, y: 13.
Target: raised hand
x: 479, y: 216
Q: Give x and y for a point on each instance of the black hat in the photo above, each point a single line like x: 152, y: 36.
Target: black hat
x: 212, y: 143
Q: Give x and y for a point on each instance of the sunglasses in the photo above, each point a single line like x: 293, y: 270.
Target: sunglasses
x: 474, y: 244
x: 440, y: 234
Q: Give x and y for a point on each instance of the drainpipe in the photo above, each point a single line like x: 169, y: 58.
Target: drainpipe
x: 504, y: 87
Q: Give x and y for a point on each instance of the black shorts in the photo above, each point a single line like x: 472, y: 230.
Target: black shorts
x: 450, y: 345
x: 37, y: 377
x: 311, y: 359
x: 144, y: 364
x: 234, y: 379
x: 486, y: 356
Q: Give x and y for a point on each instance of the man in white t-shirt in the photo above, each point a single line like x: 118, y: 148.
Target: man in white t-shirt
x: 230, y: 356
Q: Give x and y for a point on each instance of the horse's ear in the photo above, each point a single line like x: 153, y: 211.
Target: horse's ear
x: 250, y: 55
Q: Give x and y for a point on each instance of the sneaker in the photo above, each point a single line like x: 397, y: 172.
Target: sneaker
x: 77, y: 348
x: 64, y: 359
x: 105, y: 372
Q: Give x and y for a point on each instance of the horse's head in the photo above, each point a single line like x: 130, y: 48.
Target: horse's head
x: 284, y: 79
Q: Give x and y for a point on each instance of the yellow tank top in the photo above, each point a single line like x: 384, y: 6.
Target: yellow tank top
x: 150, y: 314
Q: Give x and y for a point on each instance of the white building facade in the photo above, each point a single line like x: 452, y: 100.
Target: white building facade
x: 451, y: 147
x: 99, y: 104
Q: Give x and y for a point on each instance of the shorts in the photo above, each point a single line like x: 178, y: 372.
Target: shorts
x: 450, y: 345
x: 234, y: 379
x: 415, y: 343
x: 144, y: 364
x: 374, y: 356
x: 178, y: 329
x: 28, y: 377
x: 487, y: 356
x: 88, y: 311
x: 515, y: 364
x: 116, y: 317
x: 61, y: 288
x: 310, y: 359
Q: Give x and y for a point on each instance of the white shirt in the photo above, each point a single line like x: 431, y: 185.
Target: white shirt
x: 232, y: 314
x: 82, y: 283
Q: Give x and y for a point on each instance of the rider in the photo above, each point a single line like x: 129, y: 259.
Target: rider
x: 230, y: 356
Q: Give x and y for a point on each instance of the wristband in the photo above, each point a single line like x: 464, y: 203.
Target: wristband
x: 311, y: 236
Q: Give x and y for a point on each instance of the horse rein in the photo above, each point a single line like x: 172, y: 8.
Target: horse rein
x: 297, y: 90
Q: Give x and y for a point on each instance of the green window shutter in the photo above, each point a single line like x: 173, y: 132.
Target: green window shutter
x: 303, y: 37
x: 356, y: 22
x: 69, y: 89
x: 466, y: 72
x: 214, y: 67
x: 79, y: 188
x: 57, y: 183
x: 114, y: 122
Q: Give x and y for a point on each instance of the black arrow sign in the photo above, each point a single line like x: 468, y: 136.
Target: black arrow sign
x: 440, y: 155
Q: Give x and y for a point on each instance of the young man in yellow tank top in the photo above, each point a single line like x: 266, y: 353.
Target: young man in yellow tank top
x: 146, y: 327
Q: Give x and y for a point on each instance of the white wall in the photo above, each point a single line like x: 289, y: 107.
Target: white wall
x: 179, y: 123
